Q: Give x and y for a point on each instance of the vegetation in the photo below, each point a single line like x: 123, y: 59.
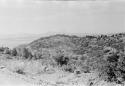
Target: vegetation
x: 102, y: 54
x: 19, y: 71
x: 14, y: 52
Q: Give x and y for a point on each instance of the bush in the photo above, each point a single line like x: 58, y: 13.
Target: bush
x: 19, y: 71
x: 6, y: 51
x: 113, y: 70
x: 62, y: 60
x: 14, y: 52
x: 1, y: 49
x: 23, y: 53
x: 69, y: 70
x: 37, y: 55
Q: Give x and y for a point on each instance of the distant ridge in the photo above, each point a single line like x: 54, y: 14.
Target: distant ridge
x: 70, y: 43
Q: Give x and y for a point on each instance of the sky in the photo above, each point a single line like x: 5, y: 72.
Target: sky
x: 41, y: 17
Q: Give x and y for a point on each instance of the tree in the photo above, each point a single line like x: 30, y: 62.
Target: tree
x: 24, y: 53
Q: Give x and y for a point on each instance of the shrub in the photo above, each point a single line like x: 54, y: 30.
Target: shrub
x: 1, y: 49
x: 113, y: 70
x: 85, y: 69
x: 20, y: 71
x: 62, y: 60
x: 38, y: 55
x: 68, y: 68
x: 6, y: 51
x: 14, y: 52
x: 23, y: 53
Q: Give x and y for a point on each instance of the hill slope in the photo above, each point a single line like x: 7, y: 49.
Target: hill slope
x: 77, y: 45
x: 103, y: 55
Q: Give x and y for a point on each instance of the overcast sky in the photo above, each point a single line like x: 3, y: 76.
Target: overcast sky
x: 40, y: 17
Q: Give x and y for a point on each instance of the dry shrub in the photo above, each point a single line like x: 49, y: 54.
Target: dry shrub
x: 6, y: 51
x: 26, y: 66
x: 14, y: 65
x: 20, y: 71
x: 34, y: 67
x: 14, y: 52
x: 67, y: 68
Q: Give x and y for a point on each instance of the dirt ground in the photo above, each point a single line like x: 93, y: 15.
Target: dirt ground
x: 57, y: 78
x: 8, y: 78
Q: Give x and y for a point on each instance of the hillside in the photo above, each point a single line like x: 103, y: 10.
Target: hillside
x: 53, y: 42
x: 77, y: 45
x: 100, y: 58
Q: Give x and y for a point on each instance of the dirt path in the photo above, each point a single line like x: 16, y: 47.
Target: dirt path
x: 8, y: 80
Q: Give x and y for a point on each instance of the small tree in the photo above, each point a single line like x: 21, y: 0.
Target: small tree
x: 26, y: 54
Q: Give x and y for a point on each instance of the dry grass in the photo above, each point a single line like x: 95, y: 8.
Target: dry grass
x: 28, y: 67
x: 42, y: 72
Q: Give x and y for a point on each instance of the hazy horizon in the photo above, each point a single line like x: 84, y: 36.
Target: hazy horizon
x: 33, y: 17
x: 40, y: 17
